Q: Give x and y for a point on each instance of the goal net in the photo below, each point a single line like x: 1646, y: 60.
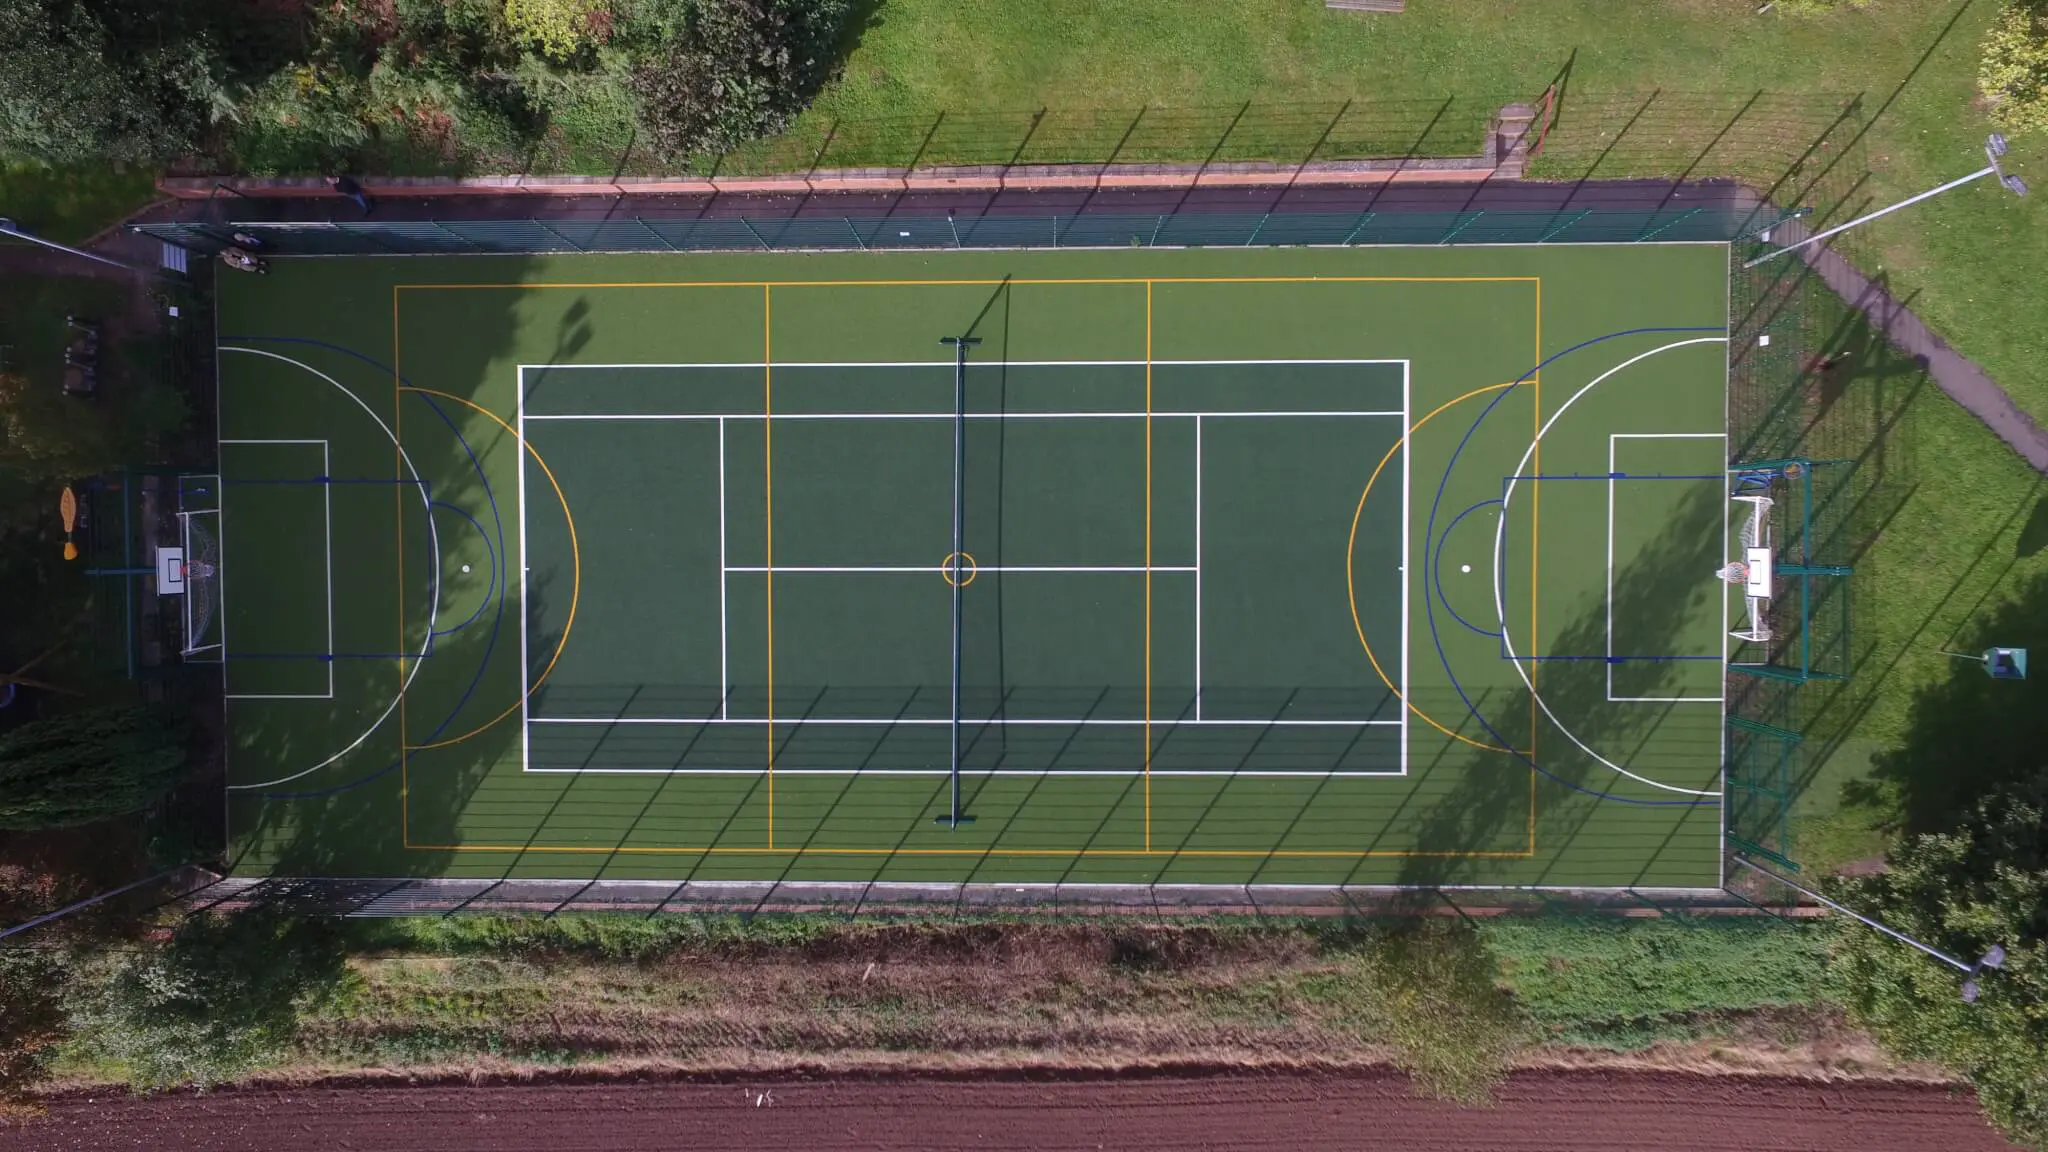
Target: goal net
x: 200, y: 532
x: 1752, y: 572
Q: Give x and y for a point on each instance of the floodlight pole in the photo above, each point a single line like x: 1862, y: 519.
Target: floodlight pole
x: 1994, y: 147
x: 1994, y: 957
x: 957, y: 573
x: 10, y: 228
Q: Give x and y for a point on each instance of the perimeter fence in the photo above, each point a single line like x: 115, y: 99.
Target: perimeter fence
x: 1799, y: 161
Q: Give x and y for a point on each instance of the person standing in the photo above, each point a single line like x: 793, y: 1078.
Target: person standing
x: 347, y: 186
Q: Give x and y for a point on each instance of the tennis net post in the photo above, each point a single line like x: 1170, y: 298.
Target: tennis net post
x: 956, y: 574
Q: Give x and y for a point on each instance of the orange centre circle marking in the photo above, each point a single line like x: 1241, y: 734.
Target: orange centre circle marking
x: 952, y: 564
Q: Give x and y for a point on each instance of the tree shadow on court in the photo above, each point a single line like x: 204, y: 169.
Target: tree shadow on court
x: 1655, y: 595
x: 369, y: 815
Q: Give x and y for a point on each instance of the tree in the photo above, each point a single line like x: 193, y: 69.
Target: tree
x: 109, y: 80
x: 741, y: 69
x: 224, y: 994
x: 1984, y: 883
x: 87, y: 766
x: 2014, y: 72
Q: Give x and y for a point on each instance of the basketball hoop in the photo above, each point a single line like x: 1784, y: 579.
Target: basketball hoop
x: 1735, y: 573
x: 198, y: 568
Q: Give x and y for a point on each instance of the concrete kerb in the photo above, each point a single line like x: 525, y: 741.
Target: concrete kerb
x: 977, y: 178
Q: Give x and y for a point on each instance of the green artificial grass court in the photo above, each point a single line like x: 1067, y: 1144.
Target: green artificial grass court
x: 1369, y: 566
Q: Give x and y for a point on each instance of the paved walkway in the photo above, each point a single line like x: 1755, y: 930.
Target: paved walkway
x: 1953, y: 373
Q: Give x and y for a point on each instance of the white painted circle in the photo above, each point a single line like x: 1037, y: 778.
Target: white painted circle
x: 1464, y: 567
x: 465, y: 568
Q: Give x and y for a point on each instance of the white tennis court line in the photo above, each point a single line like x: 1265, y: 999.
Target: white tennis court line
x: 945, y: 364
x: 1612, y: 439
x: 724, y: 671
x: 525, y: 612
x: 939, y: 569
x: 1407, y: 502
x: 327, y: 512
x: 1111, y: 773
x: 1293, y: 414
x: 527, y: 720
x: 943, y: 722
x: 1198, y: 568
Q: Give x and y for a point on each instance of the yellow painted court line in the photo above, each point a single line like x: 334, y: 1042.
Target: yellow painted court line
x: 989, y: 283
x: 1148, y: 565
x: 1535, y: 554
x: 768, y: 498
x: 1062, y: 853
x: 398, y: 527
x: 575, y: 568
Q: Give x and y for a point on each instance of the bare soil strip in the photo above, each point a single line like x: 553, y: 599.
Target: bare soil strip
x: 1585, y: 1112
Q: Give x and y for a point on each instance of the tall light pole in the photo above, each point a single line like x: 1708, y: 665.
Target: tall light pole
x: 1994, y: 147
x: 1994, y: 957
x: 10, y: 228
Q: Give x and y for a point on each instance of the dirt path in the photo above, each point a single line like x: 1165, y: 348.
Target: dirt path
x: 1584, y: 1112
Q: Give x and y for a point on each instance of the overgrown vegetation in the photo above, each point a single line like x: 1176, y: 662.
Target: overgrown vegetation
x: 1454, y: 1005
x: 2014, y: 74
x: 1982, y: 883
x: 404, y: 85
x: 221, y: 998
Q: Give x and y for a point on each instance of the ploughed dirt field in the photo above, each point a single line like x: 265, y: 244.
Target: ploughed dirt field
x: 1581, y: 1111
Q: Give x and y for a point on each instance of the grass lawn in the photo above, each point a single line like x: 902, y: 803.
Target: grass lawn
x: 70, y: 204
x: 1967, y: 261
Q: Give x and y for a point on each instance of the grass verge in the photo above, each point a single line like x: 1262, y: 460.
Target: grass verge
x: 1454, y: 1005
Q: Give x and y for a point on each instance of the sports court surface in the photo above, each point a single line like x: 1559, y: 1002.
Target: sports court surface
x: 1312, y: 566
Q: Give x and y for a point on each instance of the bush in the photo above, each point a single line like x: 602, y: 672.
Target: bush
x: 562, y: 29
x: 1453, y: 1028
x: 222, y: 997
x: 1984, y: 883
x: 88, y: 766
x: 742, y: 69
x: 77, y: 89
x: 2014, y: 72
x: 32, y: 1022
